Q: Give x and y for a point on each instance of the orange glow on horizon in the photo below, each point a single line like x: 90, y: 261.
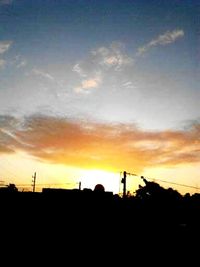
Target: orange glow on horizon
x: 18, y: 168
x: 64, y: 151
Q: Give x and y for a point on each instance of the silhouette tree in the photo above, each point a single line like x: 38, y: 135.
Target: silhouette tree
x: 153, y: 191
x: 12, y: 188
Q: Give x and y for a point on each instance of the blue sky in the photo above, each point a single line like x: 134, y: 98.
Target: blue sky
x: 51, y: 37
x: 106, y: 62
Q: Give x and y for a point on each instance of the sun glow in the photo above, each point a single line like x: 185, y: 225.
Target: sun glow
x: 109, y: 180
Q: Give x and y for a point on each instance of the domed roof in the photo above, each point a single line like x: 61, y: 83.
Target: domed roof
x: 99, y: 188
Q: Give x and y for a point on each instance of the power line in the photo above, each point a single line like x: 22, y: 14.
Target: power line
x: 155, y: 179
x: 46, y: 184
x: 42, y: 185
x: 185, y: 185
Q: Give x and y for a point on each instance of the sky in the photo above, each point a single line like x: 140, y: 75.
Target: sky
x: 90, y: 88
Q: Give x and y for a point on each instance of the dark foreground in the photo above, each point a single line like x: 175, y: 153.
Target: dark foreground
x: 98, y: 223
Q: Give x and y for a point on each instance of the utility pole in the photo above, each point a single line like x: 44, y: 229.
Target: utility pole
x: 79, y: 185
x: 34, y: 181
x: 124, y: 184
x: 123, y: 181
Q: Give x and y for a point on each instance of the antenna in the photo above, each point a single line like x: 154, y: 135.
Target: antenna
x: 34, y: 181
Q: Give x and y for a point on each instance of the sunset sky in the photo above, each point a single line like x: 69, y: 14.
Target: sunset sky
x: 90, y: 88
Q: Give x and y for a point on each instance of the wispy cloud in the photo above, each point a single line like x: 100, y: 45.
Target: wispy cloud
x: 88, y: 84
x: 21, y: 64
x: 128, y: 84
x: 42, y: 74
x: 98, y: 145
x: 112, y: 57
x: 78, y: 69
x: 4, y: 46
x: 96, y: 66
x: 163, y: 39
x: 8, y: 126
x: 18, y: 61
x: 107, y: 64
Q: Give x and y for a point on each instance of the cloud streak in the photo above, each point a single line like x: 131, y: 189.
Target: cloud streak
x: 163, y: 39
x: 98, y: 145
x: 4, y: 46
x: 42, y: 74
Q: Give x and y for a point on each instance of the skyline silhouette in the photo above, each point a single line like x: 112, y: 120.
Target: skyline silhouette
x: 91, y: 88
